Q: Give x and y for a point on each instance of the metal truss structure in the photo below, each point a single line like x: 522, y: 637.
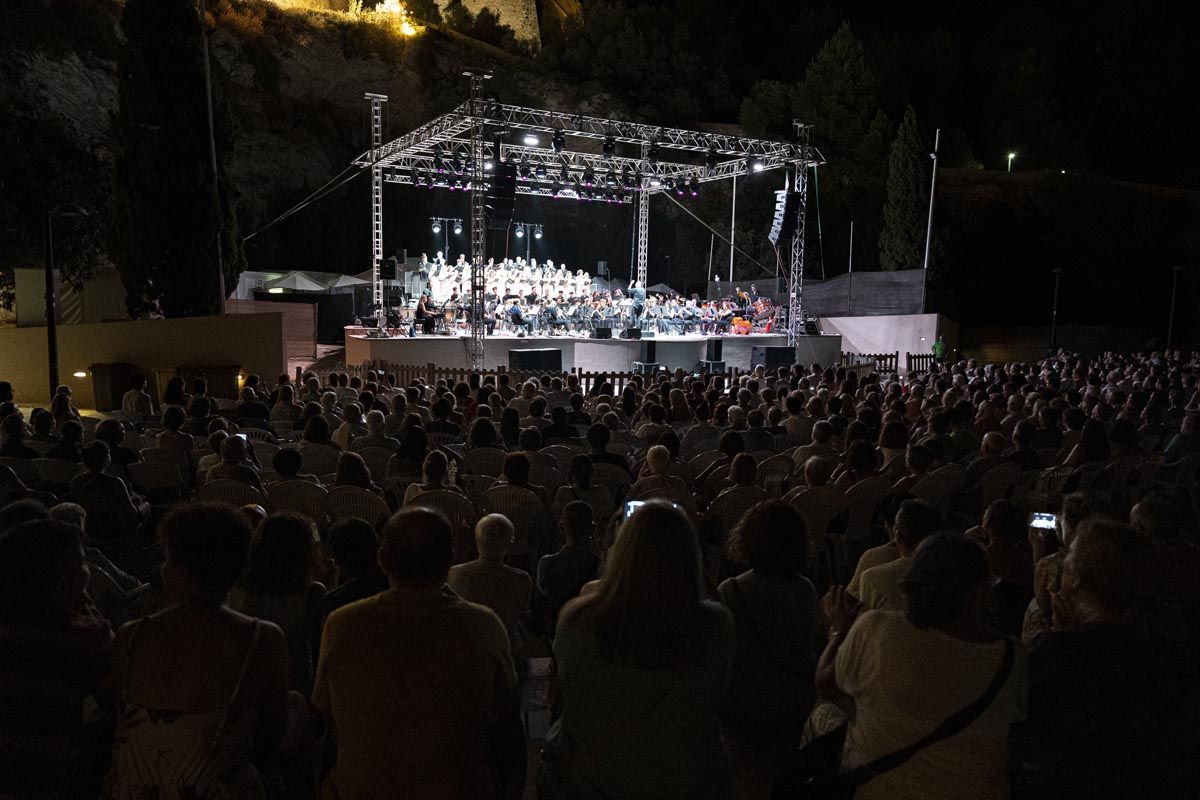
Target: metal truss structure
x: 574, y: 156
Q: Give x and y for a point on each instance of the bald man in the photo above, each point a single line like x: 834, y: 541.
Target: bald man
x: 490, y: 582
x: 234, y: 465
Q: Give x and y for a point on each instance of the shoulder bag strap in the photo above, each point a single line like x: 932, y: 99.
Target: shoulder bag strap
x: 757, y: 633
x: 953, y: 724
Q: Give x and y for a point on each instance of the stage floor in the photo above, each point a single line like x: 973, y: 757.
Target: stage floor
x: 592, y: 355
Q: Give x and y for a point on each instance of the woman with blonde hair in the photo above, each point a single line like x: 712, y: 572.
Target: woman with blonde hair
x: 643, y: 662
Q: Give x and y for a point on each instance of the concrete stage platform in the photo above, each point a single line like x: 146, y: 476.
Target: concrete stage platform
x: 590, y: 355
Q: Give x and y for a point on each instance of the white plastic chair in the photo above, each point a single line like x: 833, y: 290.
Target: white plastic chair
x: 302, y: 497
x: 320, y: 459
x: 526, y: 512
x: 344, y: 502
x: 230, y: 492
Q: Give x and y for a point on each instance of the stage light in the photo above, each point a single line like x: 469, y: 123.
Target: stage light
x: 537, y: 232
x: 755, y: 164
x: 488, y: 166
x: 710, y: 159
x: 680, y: 189
x: 694, y: 187
x: 79, y: 374
x: 564, y: 175
x: 524, y: 170
x: 652, y: 154
x: 531, y: 140
x: 457, y: 164
x: 540, y: 172
x: 437, y: 227
x: 457, y: 228
x: 655, y: 180
x: 610, y: 147
x: 559, y: 143
x: 438, y: 162
x: 520, y: 232
x: 589, y: 177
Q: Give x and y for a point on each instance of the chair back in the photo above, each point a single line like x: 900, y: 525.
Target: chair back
x: 550, y: 477
x: 864, y: 498
x: 526, y: 512
x: 562, y: 454
x: 320, y: 459
x: 773, y: 472
x: 160, y: 483
x: 258, y: 435
x: 446, y: 439
x: 22, y: 466
x: 265, y: 452
x: 484, y: 461
x: 395, y: 489
x: 344, y: 502
x: 462, y: 514
x: 818, y: 506
x: 997, y: 483
x: 613, y: 478
x: 229, y: 492
x: 302, y: 497
x: 284, y: 428
x: 55, y: 473
x: 41, y: 448
x: 934, y: 491
x: 377, y: 460
x: 953, y: 476
x: 704, y: 460
x: 731, y: 504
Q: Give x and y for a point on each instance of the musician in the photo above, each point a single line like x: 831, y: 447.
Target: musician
x: 743, y: 299
x: 723, y: 317
x: 516, y: 318
x: 423, y: 315
x: 754, y: 295
x: 491, y: 301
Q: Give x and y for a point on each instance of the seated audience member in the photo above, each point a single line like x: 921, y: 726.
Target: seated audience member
x: 352, y: 470
x: 881, y: 587
x: 559, y: 429
x: 515, y: 472
x: 919, y: 460
x: 490, y: 582
x: 581, y: 487
x: 483, y: 433
x: 14, y: 439
x: 288, y: 464
x: 61, y: 408
x: 201, y: 689
x: 316, y: 432
x: 755, y: 436
x: 598, y: 436
x: 112, y: 511
x: 884, y: 553
x: 654, y: 424
x: 991, y: 454
x: 796, y: 423
x: 54, y: 658
x: 577, y: 416
x: 859, y: 465
x: 355, y: 550
x: 459, y: 737
x: 375, y: 436
x: 69, y: 447
x: 643, y: 660
x: 286, y: 409
x: 1187, y: 441
x: 214, y: 441
x: 1077, y: 507
x: 561, y: 575
x: 655, y: 477
x: 1006, y: 541
x: 1024, y: 453
x: 279, y: 586
x: 43, y: 427
x: 250, y: 407
x: 171, y: 436
x: 111, y: 433
x: 821, y: 446
x: 234, y: 465
x: 1111, y: 708
x: 109, y: 587
x: 942, y: 651
x: 774, y: 610
x: 435, y: 477
x: 410, y: 456
x: 1093, y: 446
x: 439, y: 422
x: 537, y: 418
x: 198, y: 414
x: 137, y: 400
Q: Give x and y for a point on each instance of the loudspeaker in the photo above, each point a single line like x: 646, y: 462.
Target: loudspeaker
x: 783, y: 226
x: 650, y: 351
x: 810, y: 327
x: 502, y: 188
x: 649, y: 333
x: 712, y: 350
x: 387, y: 270
x: 646, y: 367
x: 711, y: 367
x: 541, y: 360
x: 601, y: 333
x: 631, y: 333
x: 772, y: 357
x: 370, y: 322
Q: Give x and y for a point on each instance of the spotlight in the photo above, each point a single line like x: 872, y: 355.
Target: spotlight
x: 564, y: 175
x: 652, y: 154
x: 655, y: 180
x: 531, y: 140
x: 694, y: 187
x: 540, y: 172
x: 710, y: 159
x: 610, y: 147
x: 589, y: 177
x: 524, y: 170
x: 520, y: 231
x: 457, y: 164
x: 437, y: 226
x: 537, y: 232
x: 559, y: 142
x: 755, y: 164
x: 680, y: 188
x: 438, y: 162
x: 488, y: 166
x: 457, y: 228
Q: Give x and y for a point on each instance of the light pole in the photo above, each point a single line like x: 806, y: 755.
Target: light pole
x: 66, y: 211
x: 937, y: 138
x: 1171, y: 317
x: 1011, y: 156
x: 1054, y: 312
x: 527, y: 231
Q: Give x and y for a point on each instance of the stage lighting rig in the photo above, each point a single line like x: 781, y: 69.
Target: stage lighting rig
x: 559, y: 143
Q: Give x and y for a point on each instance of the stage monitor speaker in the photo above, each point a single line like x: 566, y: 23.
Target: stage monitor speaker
x: 649, y: 351
x: 631, y: 333
x: 649, y: 333
x: 711, y: 367
x: 602, y: 333
x: 712, y: 350
x: 772, y: 356
x: 646, y: 367
x: 370, y: 322
x: 540, y: 360
x: 810, y: 327
x: 387, y: 269
x: 502, y: 188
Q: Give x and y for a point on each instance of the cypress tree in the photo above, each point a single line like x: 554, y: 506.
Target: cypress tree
x: 902, y: 242
x: 166, y: 212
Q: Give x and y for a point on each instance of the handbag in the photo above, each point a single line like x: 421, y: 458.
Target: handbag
x: 814, y: 775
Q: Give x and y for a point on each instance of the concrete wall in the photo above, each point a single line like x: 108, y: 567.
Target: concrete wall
x: 101, y: 299
x: 254, y: 342
x: 906, y: 333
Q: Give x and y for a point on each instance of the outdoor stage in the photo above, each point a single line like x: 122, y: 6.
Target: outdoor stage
x: 592, y: 355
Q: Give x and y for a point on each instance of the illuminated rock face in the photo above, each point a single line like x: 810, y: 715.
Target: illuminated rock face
x: 520, y: 15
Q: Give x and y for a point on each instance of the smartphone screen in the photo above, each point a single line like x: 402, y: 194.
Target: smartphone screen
x: 243, y: 437
x: 1043, y: 521
x: 633, y: 505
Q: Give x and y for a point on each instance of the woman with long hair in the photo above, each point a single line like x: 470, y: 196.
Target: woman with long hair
x: 510, y: 427
x: 643, y: 663
x: 176, y: 394
x: 581, y: 487
x: 286, y: 407
x: 279, y: 585
x: 435, y: 476
x: 352, y: 470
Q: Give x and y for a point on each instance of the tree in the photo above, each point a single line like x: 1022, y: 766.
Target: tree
x: 166, y: 212
x: 902, y: 242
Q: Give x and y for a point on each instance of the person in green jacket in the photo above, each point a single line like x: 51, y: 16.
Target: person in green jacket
x: 939, y: 349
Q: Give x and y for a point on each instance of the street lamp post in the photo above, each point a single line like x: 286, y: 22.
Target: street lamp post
x: 1171, y: 317
x: 1011, y: 156
x: 1054, y: 312
x: 66, y: 211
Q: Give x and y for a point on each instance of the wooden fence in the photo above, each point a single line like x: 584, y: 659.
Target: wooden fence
x: 299, y: 323
x: 884, y: 362
x: 919, y: 362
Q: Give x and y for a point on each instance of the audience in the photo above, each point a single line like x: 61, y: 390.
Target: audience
x: 490, y: 582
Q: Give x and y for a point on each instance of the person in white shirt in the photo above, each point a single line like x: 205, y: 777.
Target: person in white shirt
x: 136, y: 400
x: 880, y: 587
x: 490, y: 582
